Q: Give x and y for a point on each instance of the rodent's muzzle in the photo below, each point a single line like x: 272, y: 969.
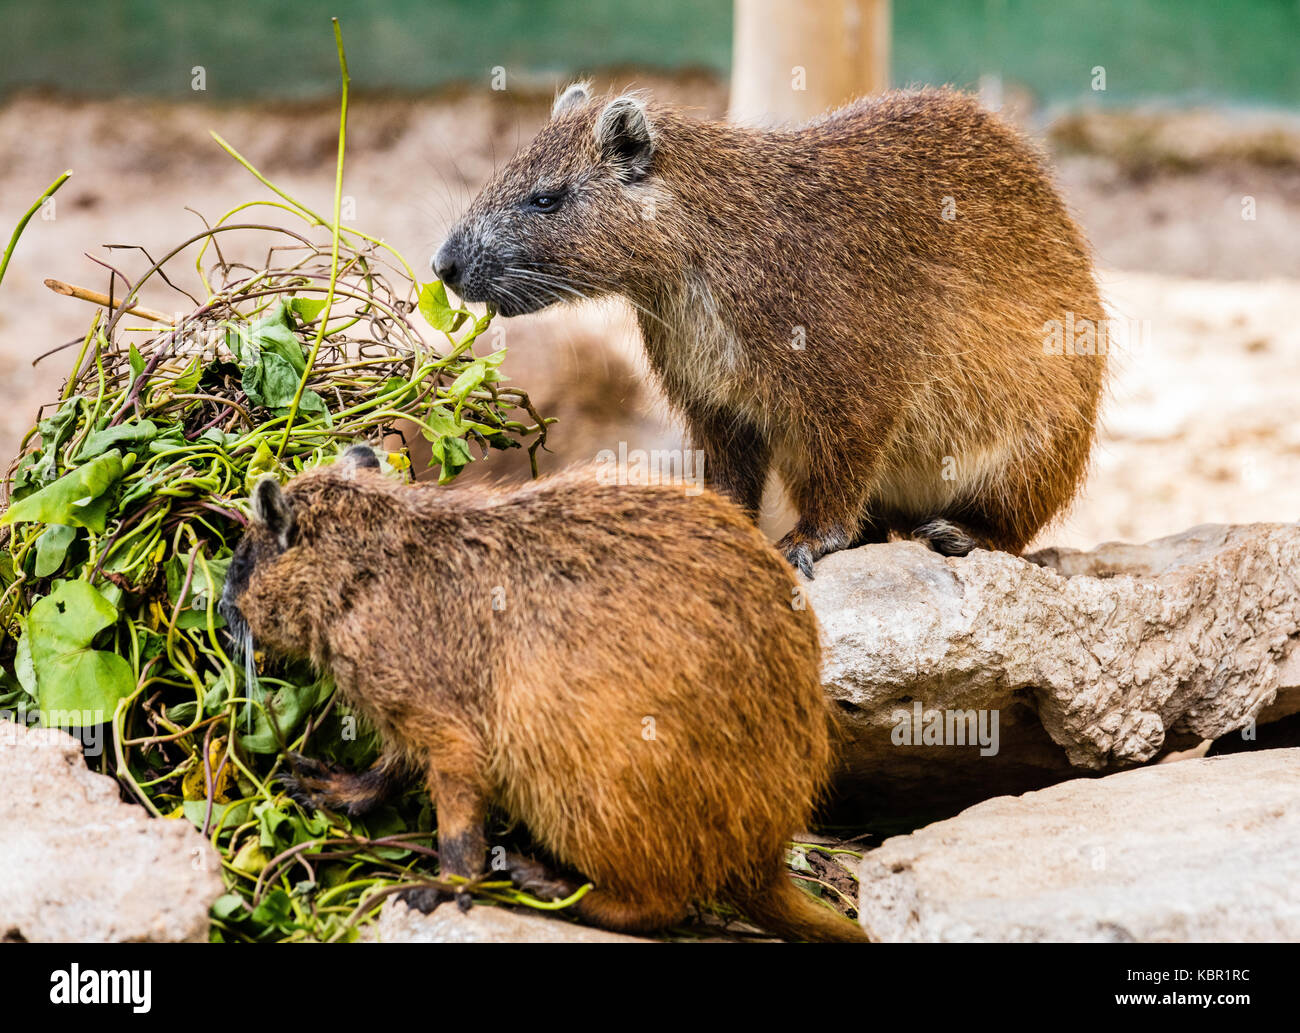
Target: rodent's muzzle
x: 448, y: 265
x: 480, y: 275
x: 237, y: 578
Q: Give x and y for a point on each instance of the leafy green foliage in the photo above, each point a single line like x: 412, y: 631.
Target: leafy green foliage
x: 69, y: 674
x: 273, y: 362
x: 80, y: 498
x: 125, y: 512
x: 128, y: 502
x: 437, y: 310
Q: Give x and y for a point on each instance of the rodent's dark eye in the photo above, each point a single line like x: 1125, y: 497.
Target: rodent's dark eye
x: 544, y: 201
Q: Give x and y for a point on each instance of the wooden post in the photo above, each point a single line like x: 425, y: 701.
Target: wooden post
x: 793, y: 61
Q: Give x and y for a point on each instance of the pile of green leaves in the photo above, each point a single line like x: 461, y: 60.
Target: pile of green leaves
x: 125, y: 505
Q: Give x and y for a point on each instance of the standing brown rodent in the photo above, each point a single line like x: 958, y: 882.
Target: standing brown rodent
x: 625, y: 671
x: 866, y: 302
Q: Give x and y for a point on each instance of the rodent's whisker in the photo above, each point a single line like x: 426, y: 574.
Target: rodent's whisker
x: 571, y: 283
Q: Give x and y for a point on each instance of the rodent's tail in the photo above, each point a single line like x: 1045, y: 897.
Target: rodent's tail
x: 782, y: 908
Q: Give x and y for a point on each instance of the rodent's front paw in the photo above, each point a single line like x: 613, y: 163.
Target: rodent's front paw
x: 308, y: 783
x: 425, y: 898
x: 799, y: 556
x: 806, y: 544
x: 305, y: 791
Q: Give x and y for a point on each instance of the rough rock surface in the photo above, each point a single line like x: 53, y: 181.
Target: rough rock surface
x: 482, y: 924
x: 79, y: 865
x: 1092, y: 661
x: 1200, y: 850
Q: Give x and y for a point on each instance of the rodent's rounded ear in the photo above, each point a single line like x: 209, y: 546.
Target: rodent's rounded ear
x: 359, y: 457
x: 273, y: 509
x: 573, y: 96
x: 626, y: 137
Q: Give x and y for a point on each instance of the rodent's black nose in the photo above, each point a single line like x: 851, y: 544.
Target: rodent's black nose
x: 447, y: 265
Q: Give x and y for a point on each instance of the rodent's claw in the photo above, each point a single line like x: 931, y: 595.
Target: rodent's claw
x: 798, y: 553
x: 425, y: 898
x: 304, y: 765
x: 297, y: 790
x: 807, y: 542
x: 801, y: 558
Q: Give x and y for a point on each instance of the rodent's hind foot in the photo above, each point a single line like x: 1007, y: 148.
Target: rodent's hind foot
x: 804, y: 545
x: 536, y: 878
x: 947, y: 537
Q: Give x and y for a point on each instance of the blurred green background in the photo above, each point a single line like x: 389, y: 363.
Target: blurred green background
x: 1189, y: 51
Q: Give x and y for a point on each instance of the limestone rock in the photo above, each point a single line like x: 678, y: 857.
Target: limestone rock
x: 446, y: 923
x: 1090, y: 661
x: 79, y: 865
x: 1198, y: 850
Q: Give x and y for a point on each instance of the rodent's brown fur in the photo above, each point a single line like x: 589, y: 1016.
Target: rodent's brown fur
x: 614, y: 605
x: 923, y: 336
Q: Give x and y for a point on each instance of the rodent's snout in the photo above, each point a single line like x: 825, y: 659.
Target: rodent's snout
x: 479, y: 267
x: 238, y: 575
x: 447, y: 264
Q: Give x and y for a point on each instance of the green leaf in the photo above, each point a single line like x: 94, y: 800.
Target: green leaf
x: 307, y: 309
x: 12, y: 694
x: 23, y: 669
x: 127, y: 435
x: 407, y: 390
x: 202, y: 590
x: 263, y: 462
x: 447, y: 446
x: 167, y: 441
x: 52, y: 548
x: 224, y: 815
x: 183, y: 713
x: 78, y: 498
x: 452, y: 454
x: 228, y: 907
x: 384, y: 821
x: 275, y: 910
x: 312, y: 402
x: 218, y: 437
x: 241, y: 346
x: 437, y: 310
x: 277, y: 339
x: 271, y: 822
x: 70, y: 676
x: 274, y: 334
x: 219, y: 692
x: 136, y: 360
x: 290, y: 704
x: 479, y: 372
x: 54, y: 431
x: 188, y: 382
x: 271, y: 382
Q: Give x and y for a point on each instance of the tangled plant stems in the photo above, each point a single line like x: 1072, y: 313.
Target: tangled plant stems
x: 127, y: 499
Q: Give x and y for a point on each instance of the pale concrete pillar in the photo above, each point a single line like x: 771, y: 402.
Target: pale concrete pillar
x: 794, y: 59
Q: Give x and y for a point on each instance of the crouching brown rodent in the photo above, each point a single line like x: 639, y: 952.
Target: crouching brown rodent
x: 627, y: 672
x: 890, y: 305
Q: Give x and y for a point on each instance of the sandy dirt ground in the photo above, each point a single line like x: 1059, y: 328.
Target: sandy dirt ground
x: 1201, y: 419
